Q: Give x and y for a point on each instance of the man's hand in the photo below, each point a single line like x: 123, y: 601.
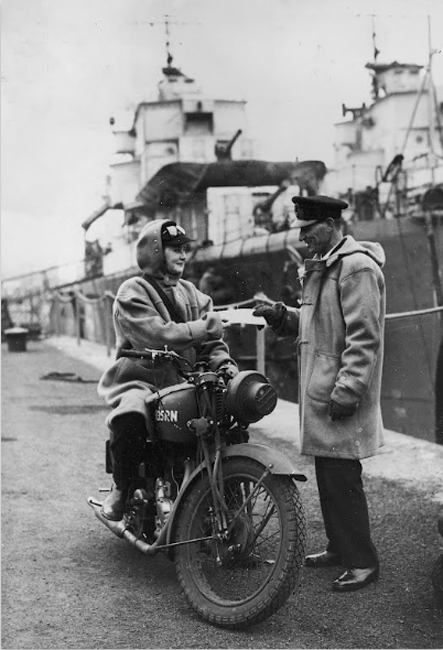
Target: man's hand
x: 339, y: 411
x: 273, y: 314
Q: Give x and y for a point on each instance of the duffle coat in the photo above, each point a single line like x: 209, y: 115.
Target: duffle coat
x: 142, y: 320
x: 340, y: 328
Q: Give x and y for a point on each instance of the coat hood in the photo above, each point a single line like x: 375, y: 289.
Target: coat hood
x: 149, y: 249
x: 351, y: 246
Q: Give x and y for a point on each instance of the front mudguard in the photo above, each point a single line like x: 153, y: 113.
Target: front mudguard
x: 269, y: 457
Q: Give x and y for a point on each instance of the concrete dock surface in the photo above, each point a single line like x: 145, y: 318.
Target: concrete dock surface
x: 67, y: 582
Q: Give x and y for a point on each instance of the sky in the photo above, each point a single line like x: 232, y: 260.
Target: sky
x: 67, y: 66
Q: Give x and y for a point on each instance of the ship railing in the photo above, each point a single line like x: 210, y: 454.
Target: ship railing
x: 417, y: 312
x: 75, y: 314
x: 413, y: 368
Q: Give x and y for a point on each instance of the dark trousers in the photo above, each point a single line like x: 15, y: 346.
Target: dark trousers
x: 345, y: 511
x: 128, y: 440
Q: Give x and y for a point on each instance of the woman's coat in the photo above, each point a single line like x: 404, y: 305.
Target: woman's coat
x: 340, y: 327
x: 141, y: 320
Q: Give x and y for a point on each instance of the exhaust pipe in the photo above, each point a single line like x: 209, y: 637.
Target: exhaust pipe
x: 119, y: 528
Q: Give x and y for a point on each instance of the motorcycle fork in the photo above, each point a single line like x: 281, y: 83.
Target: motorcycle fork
x: 215, y: 475
x: 207, y: 407
x: 220, y: 511
x: 222, y: 524
x: 216, y: 481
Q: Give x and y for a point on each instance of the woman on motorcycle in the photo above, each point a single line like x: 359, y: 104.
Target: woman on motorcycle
x: 154, y: 310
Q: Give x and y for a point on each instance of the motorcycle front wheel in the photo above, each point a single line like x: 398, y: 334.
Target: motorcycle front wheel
x: 245, y: 577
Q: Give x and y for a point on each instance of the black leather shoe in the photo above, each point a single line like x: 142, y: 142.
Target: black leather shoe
x: 354, y: 579
x: 114, y: 504
x: 323, y: 559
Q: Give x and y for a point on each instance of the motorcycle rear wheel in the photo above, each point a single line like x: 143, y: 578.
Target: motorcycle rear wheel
x: 245, y: 579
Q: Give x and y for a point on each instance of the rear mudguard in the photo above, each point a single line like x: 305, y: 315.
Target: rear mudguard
x: 269, y: 457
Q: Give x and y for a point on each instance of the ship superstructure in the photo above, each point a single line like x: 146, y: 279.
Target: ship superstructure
x: 398, y: 140
x: 188, y: 157
x: 181, y: 125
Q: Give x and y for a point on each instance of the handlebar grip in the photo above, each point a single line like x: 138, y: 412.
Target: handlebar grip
x: 139, y: 354
x: 167, y: 355
x: 148, y: 354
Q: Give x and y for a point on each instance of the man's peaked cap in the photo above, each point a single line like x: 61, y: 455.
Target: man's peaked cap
x: 312, y: 209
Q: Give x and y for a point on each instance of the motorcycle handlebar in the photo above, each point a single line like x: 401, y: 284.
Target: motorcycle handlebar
x: 150, y: 354
x: 169, y: 355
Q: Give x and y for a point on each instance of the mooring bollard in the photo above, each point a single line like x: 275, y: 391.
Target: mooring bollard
x: 16, y: 339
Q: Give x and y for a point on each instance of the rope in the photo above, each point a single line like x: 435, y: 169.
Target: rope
x: 89, y: 301
x: 77, y: 294
x: 62, y: 298
x: 243, y: 303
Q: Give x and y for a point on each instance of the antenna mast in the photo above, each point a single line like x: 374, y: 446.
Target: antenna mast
x: 374, y: 44
x: 376, y: 52
x: 169, y: 57
x: 167, y: 22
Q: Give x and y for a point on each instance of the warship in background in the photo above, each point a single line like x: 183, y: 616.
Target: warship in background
x: 188, y: 157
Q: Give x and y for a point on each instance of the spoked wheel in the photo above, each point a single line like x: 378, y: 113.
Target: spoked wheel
x: 244, y: 577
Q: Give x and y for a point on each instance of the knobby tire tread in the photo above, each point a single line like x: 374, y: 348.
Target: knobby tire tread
x: 285, y: 583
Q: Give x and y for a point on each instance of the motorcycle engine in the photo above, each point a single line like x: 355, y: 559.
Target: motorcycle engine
x: 250, y: 397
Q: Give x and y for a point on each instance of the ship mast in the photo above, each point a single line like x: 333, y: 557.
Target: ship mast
x: 438, y: 289
x: 430, y: 103
x: 167, y: 22
x: 169, y: 57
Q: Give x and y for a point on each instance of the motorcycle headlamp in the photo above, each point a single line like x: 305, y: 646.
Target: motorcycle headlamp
x: 250, y: 397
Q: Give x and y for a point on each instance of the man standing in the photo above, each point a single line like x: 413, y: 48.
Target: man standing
x: 340, y: 328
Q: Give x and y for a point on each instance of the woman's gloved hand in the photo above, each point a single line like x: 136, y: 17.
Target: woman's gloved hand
x: 229, y: 371
x: 273, y: 314
x: 214, y: 325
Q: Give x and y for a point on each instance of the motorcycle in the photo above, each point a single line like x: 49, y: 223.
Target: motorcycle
x: 226, y: 511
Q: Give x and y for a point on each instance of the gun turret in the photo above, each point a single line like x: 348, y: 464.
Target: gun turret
x: 266, y: 205
x: 223, y: 149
